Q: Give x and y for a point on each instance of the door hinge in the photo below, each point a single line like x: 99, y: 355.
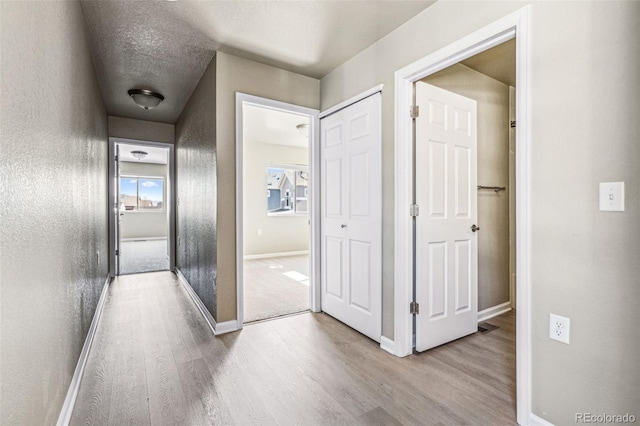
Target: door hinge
x: 414, y: 308
x: 117, y: 253
x: 116, y: 158
x: 512, y: 124
x: 414, y: 210
x: 415, y: 111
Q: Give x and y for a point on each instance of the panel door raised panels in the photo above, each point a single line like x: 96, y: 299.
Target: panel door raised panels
x: 446, y: 248
x: 351, y: 198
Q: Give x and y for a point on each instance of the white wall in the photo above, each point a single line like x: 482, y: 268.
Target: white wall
x: 141, y: 225
x: 492, y: 99
x: 585, y: 104
x: 279, y: 233
x: 53, y: 181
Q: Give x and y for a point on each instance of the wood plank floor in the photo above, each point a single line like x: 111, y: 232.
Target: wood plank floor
x: 154, y: 361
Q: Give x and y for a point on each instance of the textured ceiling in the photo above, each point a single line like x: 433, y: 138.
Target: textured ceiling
x: 165, y: 46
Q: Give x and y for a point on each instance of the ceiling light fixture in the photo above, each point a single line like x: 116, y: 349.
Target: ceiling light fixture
x: 146, y: 99
x: 304, y: 129
x: 139, y: 154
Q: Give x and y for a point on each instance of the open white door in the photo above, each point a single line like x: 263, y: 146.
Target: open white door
x: 351, y: 225
x: 446, y: 238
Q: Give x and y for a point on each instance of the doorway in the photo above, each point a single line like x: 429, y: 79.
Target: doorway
x: 514, y: 26
x: 141, y: 193
x: 465, y: 178
x: 275, y: 209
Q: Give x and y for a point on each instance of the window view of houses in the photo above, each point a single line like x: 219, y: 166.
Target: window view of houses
x: 141, y: 194
x: 287, y: 191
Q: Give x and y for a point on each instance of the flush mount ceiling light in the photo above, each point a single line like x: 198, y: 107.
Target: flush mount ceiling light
x: 139, y: 154
x: 146, y: 99
x: 304, y: 129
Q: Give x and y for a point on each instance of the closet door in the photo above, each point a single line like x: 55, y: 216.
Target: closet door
x: 351, y: 224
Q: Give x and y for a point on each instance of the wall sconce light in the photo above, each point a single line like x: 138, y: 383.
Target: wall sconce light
x: 145, y: 99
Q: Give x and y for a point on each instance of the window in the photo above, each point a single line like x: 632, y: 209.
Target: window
x: 141, y: 194
x: 287, y: 190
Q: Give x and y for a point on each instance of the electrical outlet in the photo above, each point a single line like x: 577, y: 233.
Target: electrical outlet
x: 559, y: 328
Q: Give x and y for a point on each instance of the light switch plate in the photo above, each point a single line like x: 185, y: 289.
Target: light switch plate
x: 612, y: 196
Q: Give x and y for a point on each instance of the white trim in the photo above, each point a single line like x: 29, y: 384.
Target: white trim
x: 143, y: 239
x: 494, y: 311
x: 351, y: 101
x: 74, y: 386
x: 538, y: 421
x: 227, y: 327
x: 314, y: 195
x: 388, y: 345
x: 170, y: 191
x: 270, y: 255
x: 515, y: 25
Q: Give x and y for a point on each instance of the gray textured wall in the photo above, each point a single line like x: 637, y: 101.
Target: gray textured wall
x: 585, y: 105
x: 196, y: 190
x: 492, y: 98
x: 53, y: 171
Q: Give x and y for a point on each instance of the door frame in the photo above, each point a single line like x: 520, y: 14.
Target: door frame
x: 171, y: 191
x: 516, y: 25
x: 314, y: 197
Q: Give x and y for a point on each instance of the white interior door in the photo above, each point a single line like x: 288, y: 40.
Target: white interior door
x: 351, y: 223
x: 446, y: 191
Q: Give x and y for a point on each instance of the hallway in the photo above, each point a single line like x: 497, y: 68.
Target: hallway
x: 154, y: 361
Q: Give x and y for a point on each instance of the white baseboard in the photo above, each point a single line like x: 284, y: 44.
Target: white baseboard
x: 216, y: 328
x: 270, y: 255
x: 74, y: 386
x: 227, y: 327
x: 494, y: 311
x: 538, y: 421
x: 388, y: 345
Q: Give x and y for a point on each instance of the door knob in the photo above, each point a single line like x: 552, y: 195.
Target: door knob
x: 474, y: 228
x: 343, y: 226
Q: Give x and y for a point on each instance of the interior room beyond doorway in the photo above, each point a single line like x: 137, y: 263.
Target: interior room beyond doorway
x: 143, y: 220
x: 275, y: 216
x: 489, y: 78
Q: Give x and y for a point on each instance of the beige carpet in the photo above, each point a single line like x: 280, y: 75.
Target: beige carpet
x: 143, y: 256
x: 275, y: 286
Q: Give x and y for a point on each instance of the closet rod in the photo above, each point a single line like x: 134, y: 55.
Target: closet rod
x: 495, y: 188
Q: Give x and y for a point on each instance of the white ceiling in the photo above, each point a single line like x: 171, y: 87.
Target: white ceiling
x: 154, y: 155
x: 499, y: 62
x: 271, y: 126
x: 165, y: 46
